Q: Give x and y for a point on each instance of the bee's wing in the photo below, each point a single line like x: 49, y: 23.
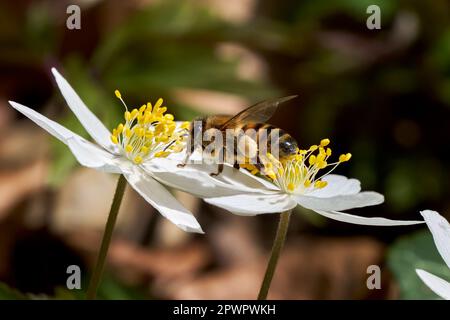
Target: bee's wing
x: 260, y: 112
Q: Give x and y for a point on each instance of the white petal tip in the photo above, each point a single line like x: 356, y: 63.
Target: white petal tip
x: 55, y: 72
x: 438, y: 285
x: 420, y: 272
x: 19, y: 107
x: 14, y: 104
x: 191, y: 229
x: 429, y: 213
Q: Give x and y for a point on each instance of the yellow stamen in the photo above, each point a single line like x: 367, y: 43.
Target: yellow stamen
x: 299, y: 173
x: 324, y: 142
x: 148, y: 132
x: 162, y: 154
x: 185, y: 125
x: 345, y: 157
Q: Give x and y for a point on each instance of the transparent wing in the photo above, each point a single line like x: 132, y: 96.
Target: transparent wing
x: 260, y: 112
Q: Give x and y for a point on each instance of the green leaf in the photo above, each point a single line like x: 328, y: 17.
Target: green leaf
x: 416, y: 252
x: 8, y: 293
x: 111, y: 289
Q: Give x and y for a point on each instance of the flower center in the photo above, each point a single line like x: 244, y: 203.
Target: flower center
x: 148, y: 132
x: 299, y: 173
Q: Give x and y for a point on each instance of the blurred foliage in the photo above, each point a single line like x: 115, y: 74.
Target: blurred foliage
x: 110, y: 289
x: 383, y: 95
x: 413, y: 252
x: 8, y: 293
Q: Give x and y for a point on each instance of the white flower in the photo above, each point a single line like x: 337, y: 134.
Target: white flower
x: 296, y: 181
x: 440, y: 229
x: 140, y: 141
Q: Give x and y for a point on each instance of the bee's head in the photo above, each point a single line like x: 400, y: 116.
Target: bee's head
x: 288, y: 147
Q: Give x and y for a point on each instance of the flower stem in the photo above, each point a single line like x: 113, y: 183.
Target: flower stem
x: 109, y: 228
x: 275, y: 254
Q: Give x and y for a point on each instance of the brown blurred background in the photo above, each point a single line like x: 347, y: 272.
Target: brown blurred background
x: 383, y: 95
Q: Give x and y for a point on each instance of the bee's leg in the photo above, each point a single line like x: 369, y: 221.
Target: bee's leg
x: 219, y: 170
x: 188, y: 154
x: 259, y: 164
x: 236, y: 160
x: 219, y: 165
x: 186, y: 159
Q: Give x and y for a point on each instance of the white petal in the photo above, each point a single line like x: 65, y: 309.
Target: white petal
x: 438, y: 285
x: 162, y: 200
x: 230, y: 181
x: 267, y: 184
x: 339, y: 203
x: 52, y: 127
x: 87, y: 154
x: 440, y: 228
x: 92, y: 156
x: 241, y: 179
x: 337, y: 185
x: 253, y: 204
x: 89, y: 121
x: 375, y: 221
x: 198, y: 183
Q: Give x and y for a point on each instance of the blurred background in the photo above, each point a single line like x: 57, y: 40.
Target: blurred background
x: 383, y: 95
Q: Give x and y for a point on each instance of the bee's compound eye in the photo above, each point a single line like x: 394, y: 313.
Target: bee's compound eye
x: 288, y: 147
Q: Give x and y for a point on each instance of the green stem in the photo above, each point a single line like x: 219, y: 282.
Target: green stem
x: 98, y: 270
x: 275, y: 254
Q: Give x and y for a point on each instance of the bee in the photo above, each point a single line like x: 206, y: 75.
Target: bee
x: 254, y: 117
